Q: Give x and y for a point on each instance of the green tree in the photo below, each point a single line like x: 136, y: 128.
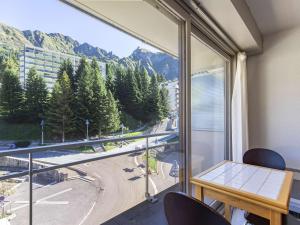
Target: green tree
x: 112, y: 116
x: 8, y: 64
x: 36, y: 95
x: 164, y: 100
x: 120, y: 86
x: 99, y: 100
x: 110, y: 78
x: 60, y: 118
x: 82, y: 71
x: 11, y: 92
x: 84, y: 96
x: 137, y: 74
x: 133, y: 104
x: 67, y: 67
x: 154, y: 109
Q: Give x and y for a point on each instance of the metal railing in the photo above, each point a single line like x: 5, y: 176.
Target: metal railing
x: 104, y: 155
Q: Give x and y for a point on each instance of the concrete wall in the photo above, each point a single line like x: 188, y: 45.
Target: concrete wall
x: 274, y: 96
x: 18, y: 164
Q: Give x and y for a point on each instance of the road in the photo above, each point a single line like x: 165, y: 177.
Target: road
x: 110, y: 187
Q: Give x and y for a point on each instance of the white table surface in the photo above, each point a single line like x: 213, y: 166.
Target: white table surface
x: 253, y: 179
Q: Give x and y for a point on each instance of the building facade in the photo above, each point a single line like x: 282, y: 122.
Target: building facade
x: 47, y: 64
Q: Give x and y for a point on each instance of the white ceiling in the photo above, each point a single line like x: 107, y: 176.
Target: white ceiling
x: 138, y: 18
x: 234, y: 17
x: 275, y: 15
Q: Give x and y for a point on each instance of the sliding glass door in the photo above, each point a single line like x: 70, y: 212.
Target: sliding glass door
x: 208, y: 106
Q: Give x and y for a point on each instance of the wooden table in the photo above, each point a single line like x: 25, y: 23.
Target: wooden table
x: 258, y: 190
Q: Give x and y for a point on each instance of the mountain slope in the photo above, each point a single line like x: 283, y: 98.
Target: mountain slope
x: 159, y: 62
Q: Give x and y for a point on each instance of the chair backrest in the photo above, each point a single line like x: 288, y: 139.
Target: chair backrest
x: 181, y: 209
x: 264, y: 157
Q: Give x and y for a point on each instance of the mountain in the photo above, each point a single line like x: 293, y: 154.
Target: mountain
x: 158, y: 62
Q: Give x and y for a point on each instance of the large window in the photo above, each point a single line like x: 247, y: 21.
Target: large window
x: 207, y: 106
x: 108, y: 83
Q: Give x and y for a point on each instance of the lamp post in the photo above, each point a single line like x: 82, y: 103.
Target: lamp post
x: 122, y: 127
x: 87, y: 122
x: 63, y: 128
x: 42, y: 130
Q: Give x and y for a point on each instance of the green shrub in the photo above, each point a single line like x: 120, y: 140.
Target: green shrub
x: 22, y: 144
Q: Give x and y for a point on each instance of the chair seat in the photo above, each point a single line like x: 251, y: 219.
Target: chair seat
x: 256, y: 220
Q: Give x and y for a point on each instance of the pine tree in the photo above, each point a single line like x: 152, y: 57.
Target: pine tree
x: 145, y: 80
x: 110, y: 78
x: 154, y: 111
x: 36, y: 95
x: 120, y: 86
x: 137, y: 74
x: 164, y: 99
x: 11, y: 92
x: 82, y: 71
x: 67, y: 67
x: 99, y: 100
x: 112, y: 116
x: 133, y: 104
x: 60, y: 119
x: 84, y: 96
x: 145, y: 83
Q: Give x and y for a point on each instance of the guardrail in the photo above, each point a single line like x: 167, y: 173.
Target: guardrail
x: 57, y: 147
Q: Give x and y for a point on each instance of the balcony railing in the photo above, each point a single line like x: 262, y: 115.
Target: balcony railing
x: 103, y: 155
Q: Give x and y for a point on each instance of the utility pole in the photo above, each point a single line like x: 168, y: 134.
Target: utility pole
x: 87, y: 122
x: 42, y: 129
x: 122, y: 127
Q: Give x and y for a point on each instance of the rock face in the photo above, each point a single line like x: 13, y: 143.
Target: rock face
x: 159, y: 62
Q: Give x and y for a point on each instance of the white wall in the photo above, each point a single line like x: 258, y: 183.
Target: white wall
x: 274, y: 96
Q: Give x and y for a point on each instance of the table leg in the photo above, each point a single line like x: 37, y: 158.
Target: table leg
x: 275, y: 218
x: 227, y: 212
x: 199, y: 193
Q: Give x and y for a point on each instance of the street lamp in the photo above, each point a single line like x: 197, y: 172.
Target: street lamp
x: 87, y: 122
x: 42, y: 126
x: 122, y: 127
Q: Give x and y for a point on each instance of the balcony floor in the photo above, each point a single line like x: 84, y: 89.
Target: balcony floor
x: 153, y: 213
x: 145, y: 213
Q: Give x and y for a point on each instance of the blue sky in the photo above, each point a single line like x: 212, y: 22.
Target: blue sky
x: 53, y: 16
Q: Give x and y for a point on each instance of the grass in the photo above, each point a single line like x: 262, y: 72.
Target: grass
x: 19, y: 131
x: 174, y: 139
x: 85, y: 149
x: 110, y: 146
x: 152, y: 163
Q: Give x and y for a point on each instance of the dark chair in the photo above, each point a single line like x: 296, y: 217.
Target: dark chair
x: 266, y: 158
x: 181, y: 209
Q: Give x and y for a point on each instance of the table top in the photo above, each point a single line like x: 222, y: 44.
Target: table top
x: 270, y: 184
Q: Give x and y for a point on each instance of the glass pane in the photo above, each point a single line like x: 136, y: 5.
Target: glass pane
x: 207, y: 107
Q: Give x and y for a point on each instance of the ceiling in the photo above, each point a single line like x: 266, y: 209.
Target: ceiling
x: 140, y: 18
x: 275, y: 15
x: 235, y: 18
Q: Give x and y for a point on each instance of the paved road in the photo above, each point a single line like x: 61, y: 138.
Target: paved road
x: 111, y: 186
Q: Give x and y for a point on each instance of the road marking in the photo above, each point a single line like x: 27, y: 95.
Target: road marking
x: 97, y: 175
x: 150, y: 179
x: 54, y: 202
x: 89, y: 212
x: 54, y: 195
x: 42, y: 200
x: 19, y: 207
x: 162, y: 171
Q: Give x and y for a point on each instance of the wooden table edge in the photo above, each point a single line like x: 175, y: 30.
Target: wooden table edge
x: 246, y: 196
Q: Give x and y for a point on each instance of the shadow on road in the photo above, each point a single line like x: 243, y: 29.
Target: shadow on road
x: 134, y: 178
